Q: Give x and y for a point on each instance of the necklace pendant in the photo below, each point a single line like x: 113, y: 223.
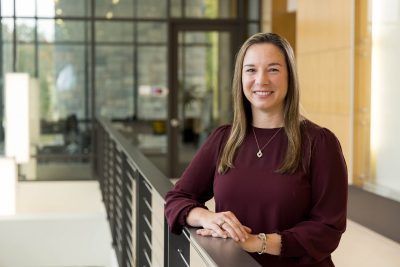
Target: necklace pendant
x: 259, y: 154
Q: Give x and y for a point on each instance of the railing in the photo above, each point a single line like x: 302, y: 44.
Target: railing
x: 133, y: 191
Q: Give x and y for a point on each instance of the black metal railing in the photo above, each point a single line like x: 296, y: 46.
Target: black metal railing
x: 133, y: 191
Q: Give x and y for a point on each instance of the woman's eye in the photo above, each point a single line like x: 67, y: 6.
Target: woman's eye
x: 250, y: 70
x: 273, y: 70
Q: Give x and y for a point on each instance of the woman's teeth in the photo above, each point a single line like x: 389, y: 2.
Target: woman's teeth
x: 263, y: 93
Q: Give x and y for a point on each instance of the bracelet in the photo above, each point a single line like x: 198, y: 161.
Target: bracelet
x: 263, y: 238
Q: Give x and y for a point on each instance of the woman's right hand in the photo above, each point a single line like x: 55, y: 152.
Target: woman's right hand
x: 220, y: 224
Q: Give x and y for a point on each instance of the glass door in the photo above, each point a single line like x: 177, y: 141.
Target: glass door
x: 200, y: 96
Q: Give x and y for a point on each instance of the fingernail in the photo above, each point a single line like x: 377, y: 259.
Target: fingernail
x: 243, y: 240
x: 224, y: 236
x: 236, y: 239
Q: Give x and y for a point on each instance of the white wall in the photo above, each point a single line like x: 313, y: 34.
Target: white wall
x: 385, y: 97
x: 57, y: 240
x: 57, y: 224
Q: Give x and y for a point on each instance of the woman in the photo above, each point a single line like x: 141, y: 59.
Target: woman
x: 279, y: 181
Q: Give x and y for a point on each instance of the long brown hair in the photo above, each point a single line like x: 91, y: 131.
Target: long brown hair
x: 242, y: 116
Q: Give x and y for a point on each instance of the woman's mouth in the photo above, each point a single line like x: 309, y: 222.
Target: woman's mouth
x: 262, y: 93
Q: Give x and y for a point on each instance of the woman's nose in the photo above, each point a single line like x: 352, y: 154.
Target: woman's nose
x: 262, y: 78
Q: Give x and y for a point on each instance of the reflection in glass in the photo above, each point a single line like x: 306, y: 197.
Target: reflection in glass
x: 64, y: 129
x: 7, y: 57
x: 152, y: 32
x: 25, y: 30
x: 153, y: 65
x: 7, y: 26
x: 151, y: 9
x: 112, y: 31
x: 210, y: 9
x: 114, y: 81
x: 26, y: 58
x: 61, y: 77
x: 204, y: 92
x: 65, y: 8
x: 176, y: 8
x: 115, y: 8
x: 50, y: 30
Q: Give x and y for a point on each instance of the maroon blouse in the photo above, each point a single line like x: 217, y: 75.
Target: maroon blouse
x: 307, y: 208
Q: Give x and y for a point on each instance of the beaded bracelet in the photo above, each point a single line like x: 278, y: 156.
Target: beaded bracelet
x: 263, y: 238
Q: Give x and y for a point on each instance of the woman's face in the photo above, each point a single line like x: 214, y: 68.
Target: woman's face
x: 265, y: 78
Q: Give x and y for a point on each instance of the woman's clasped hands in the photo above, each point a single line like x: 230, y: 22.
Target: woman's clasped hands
x: 223, y: 225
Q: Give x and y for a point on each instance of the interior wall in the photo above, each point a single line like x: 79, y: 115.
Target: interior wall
x: 362, y: 92
x: 324, y: 39
x: 283, y: 21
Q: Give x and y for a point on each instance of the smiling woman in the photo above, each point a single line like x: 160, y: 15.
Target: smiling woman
x: 285, y: 200
x: 264, y: 81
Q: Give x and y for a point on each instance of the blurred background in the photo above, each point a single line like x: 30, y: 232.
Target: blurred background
x: 160, y: 72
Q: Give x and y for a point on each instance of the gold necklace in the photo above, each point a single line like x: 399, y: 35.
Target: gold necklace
x: 259, y: 153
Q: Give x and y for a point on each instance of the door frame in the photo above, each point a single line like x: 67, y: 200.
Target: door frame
x: 236, y: 31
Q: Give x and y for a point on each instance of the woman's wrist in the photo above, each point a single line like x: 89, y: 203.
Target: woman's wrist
x: 196, y: 216
x: 263, y: 238
x: 273, y: 244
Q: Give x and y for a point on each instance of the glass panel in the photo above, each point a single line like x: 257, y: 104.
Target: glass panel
x: 176, y: 8
x: 62, y: 81
x: 65, y: 8
x: 111, y: 31
x: 7, y: 67
x: 204, y: 92
x: 46, y: 8
x: 61, y: 30
x: 7, y: 26
x: 114, y: 81
x: 64, y: 142
x: 253, y: 28
x: 26, y: 58
x: 114, y: 8
x: 25, y: 8
x: 254, y: 10
x: 151, y: 136
x: 25, y: 30
x: 152, y: 67
x: 210, y: 9
x: 227, y: 9
x: 7, y: 57
x: 152, y: 32
x: 151, y: 9
x: 194, y: 38
x: 7, y: 8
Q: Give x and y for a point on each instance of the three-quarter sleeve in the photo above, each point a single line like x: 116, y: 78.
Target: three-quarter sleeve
x: 195, y: 187
x: 314, y: 239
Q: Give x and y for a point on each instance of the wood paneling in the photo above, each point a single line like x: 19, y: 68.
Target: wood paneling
x: 283, y: 22
x: 325, y: 64
x: 362, y: 94
x: 324, y: 78
x: 324, y: 25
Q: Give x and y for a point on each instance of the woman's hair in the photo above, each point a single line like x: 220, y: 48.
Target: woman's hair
x: 242, y: 117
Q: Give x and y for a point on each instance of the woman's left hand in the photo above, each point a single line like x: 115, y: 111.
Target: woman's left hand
x: 252, y: 244
x: 209, y: 232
